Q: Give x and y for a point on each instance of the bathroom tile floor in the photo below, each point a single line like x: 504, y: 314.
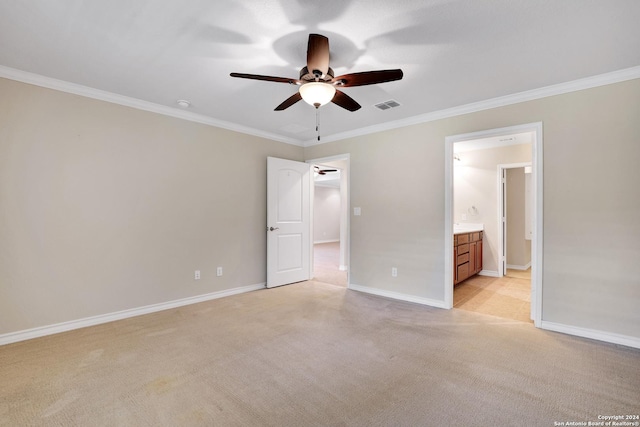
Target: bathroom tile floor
x: 507, y: 297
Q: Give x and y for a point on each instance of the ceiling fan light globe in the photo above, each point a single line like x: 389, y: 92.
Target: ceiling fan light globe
x: 317, y: 93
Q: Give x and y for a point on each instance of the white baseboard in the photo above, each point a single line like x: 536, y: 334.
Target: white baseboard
x: 397, y: 295
x: 489, y: 273
x: 519, y: 267
x: 316, y: 242
x: 42, y: 331
x: 592, y: 334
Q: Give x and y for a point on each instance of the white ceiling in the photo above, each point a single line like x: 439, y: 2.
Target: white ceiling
x: 331, y: 179
x: 452, y: 52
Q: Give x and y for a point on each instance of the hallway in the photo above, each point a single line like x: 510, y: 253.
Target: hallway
x: 326, y: 263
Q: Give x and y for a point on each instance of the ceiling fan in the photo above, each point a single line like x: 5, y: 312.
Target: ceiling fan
x: 319, y: 171
x: 317, y: 84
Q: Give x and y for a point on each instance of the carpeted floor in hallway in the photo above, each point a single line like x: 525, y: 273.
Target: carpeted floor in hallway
x: 326, y: 264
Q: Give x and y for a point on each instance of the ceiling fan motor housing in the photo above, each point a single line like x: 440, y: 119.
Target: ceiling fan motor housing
x: 316, y: 75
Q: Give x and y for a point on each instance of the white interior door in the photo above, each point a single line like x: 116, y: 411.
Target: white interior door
x: 289, y: 191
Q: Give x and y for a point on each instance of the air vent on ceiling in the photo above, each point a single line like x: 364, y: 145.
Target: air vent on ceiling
x: 387, y: 105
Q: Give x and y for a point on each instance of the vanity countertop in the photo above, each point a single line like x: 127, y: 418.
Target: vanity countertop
x: 467, y: 228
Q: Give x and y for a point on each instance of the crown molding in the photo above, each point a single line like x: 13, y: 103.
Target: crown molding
x: 88, y: 92
x: 530, y: 95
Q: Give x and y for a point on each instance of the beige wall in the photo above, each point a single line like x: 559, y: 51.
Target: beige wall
x: 106, y: 208
x: 475, y: 183
x: 591, y: 276
x: 326, y: 214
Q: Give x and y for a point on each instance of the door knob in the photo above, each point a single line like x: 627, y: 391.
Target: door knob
x: 272, y: 228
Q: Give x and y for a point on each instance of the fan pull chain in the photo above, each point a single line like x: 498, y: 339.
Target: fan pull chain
x: 318, y: 122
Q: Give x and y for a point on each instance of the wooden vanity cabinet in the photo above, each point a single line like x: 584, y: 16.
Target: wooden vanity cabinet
x: 467, y: 255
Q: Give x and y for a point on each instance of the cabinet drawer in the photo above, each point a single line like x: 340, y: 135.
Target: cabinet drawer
x: 463, y: 271
x: 463, y: 238
x: 463, y: 249
x: 462, y: 259
x: 475, y: 236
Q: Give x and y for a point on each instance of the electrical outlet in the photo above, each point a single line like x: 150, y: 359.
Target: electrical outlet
x: 196, y: 275
x: 219, y: 271
x: 394, y: 272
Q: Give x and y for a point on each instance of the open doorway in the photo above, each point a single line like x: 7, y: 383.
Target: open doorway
x: 330, y: 220
x: 478, y: 167
x: 501, y: 288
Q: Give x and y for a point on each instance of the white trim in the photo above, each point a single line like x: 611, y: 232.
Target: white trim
x: 42, y: 331
x: 345, y: 156
x: 536, y: 243
x: 448, y: 224
x: 609, y: 337
x: 102, y: 95
x: 343, y: 268
x: 319, y: 242
x: 519, y: 267
x: 398, y: 296
x: 490, y: 133
x: 530, y: 95
x: 537, y: 232
x: 488, y: 273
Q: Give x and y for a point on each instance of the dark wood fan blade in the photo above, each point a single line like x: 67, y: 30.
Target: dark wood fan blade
x: 266, y: 78
x: 318, y: 55
x: 289, y: 101
x: 368, y: 78
x: 345, y: 101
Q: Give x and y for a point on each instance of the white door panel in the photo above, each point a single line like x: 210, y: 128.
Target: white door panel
x: 288, y: 221
x: 289, y: 253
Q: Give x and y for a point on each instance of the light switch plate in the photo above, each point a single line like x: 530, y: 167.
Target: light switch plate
x: 356, y: 211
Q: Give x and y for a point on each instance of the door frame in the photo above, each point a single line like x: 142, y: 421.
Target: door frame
x: 345, y: 209
x: 537, y: 191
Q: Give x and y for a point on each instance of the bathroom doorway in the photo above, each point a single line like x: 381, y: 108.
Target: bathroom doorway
x: 508, y: 295
x: 475, y: 160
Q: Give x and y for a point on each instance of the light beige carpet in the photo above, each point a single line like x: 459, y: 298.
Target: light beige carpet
x: 312, y: 354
